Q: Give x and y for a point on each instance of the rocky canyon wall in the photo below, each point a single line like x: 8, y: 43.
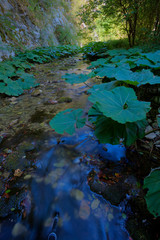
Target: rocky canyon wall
x: 33, y: 23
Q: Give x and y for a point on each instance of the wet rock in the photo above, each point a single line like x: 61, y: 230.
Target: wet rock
x: 19, y: 230
x: 112, y: 193
x: 16, y: 160
x: 13, y: 100
x: 65, y: 99
x: 140, y: 219
x: 51, y: 101
x: 38, y: 116
x: 26, y: 147
x: 13, y: 202
x: 150, y: 135
x: 36, y: 92
x: 157, y: 144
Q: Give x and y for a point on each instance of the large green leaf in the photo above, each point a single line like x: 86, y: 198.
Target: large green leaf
x: 75, y: 78
x: 144, y: 62
x: 120, y: 104
x: 110, y: 131
x: 118, y: 58
x: 26, y: 81
x: 152, y: 182
x: 94, y: 113
x: 99, y: 62
x: 111, y: 71
x: 154, y: 57
x: 11, y: 88
x: 3, y: 77
x: 116, y: 52
x: 67, y: 121
x: 107, y: 71
x: 144, y: 77
x: 103, y: 86
x: 7, y: 69
x: 135, y: 51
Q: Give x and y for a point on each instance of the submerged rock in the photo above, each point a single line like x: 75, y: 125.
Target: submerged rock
x: 65, y: 99
x: 36, y: 92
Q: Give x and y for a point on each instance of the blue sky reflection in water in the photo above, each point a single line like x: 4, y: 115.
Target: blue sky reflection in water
x: 60, y: 184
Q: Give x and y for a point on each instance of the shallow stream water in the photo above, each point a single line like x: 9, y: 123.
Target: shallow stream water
x: 57, y: 180
x: 60, y: 184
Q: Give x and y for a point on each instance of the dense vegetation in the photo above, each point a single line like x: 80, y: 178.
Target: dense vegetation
x: 14, y: 78
x: 137, y: 20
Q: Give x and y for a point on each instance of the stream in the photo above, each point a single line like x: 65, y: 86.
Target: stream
x: 54, y: 170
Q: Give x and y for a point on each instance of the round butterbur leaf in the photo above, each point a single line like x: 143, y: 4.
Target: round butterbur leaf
x: 120, y: 104
x: 67, y: 121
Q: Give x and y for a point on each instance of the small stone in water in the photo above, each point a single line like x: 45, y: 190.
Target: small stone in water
x: 19, y: 230
x: 27, y: 177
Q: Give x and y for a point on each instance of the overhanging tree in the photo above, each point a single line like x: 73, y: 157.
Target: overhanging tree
x: 128, y: 12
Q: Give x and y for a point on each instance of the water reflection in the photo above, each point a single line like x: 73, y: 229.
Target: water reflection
x: 61, y: 185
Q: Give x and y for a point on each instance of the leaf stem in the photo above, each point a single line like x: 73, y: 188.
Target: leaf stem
x: 87, y: 85
x: 90, y: 126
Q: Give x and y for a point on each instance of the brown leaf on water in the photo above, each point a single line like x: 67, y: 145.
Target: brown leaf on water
x: 18, y: 173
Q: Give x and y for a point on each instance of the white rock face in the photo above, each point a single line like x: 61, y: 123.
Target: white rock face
x: 22, y: 28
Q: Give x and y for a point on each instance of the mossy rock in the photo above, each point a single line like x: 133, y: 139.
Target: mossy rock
x: 65, y: 99
x: 16, y: 160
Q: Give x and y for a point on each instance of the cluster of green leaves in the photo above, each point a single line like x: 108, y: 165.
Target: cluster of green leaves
x: 46, y: 54
x: 94, y: 50
x: 13, y: 76
x: 115, y: 19
x: 116, y: 113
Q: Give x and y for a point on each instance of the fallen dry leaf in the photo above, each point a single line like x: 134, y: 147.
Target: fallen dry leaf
x: 18, y: 173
